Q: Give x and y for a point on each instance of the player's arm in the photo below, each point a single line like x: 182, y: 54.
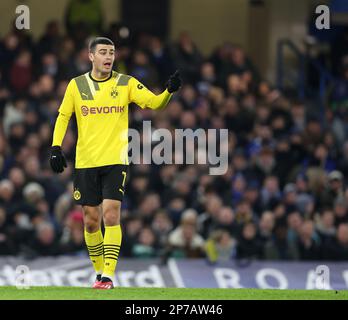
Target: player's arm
x: 57, y: 159
x: 143, y: 97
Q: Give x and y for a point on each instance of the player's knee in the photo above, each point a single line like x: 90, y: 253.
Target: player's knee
x: 111, y: 215
x: 91, y: 226
x: 91, y: 220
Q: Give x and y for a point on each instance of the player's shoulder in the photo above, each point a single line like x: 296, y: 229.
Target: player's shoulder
x: 79, y: 78
x: 123, y: 79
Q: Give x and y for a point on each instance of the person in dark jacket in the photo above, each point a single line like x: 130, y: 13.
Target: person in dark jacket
x: 336, y: 249
x: 248, y: 245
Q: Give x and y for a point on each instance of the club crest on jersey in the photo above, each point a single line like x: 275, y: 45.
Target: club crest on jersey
x: 113, y: 92
x: 77, y: 195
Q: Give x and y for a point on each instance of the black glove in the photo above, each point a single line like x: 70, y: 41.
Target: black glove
x: 174, y: 82
x: 57, y: 159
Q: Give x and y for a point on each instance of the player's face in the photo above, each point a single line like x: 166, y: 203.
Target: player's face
x: 103, y: 58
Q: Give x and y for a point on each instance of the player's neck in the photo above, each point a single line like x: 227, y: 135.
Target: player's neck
x: 97, y: 75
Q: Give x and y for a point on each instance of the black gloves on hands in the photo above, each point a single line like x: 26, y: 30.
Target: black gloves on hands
x: 174, y: 82
x: 57, y: 159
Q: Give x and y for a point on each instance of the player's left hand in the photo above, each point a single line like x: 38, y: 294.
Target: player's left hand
x: 174, y: 82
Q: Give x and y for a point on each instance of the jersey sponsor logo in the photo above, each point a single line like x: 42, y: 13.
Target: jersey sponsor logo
x: 98, y: 110
x: 84, y: 110
x: 139, y: 86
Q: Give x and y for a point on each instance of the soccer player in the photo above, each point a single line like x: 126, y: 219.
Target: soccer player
x: 100, y: 101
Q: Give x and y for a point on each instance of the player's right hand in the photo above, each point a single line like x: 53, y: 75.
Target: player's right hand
x: 57, y: 159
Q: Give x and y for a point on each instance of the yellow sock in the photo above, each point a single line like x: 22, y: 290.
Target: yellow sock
x: 94, y: 242
x: 112, y: 245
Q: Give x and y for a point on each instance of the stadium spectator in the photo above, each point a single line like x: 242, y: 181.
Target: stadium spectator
x: 249, y: 246
x: 44, y: 243
x: 294, y: 222
x: 50, y: 40
x: 131, y: 229
x: 143, y: 70
x: 72, y: 238
x: 148, y: 206
x: 267, y: 234
x: 160, y: 57
x: 220, y: 246
x: 187, y: 57
x: 7, y: 247
x: 208, y: 218
x: 22, y: 66
x: 161, y: 225
x: 289, y: 197
x: 145, y: 246
x: 340, y: 211
x: 184, y: 241
x: 270, y: 193
x: 225, y: 220
x: 6, y: 194
x: 334, y: 189
x: 266, y: 226
x: 325, y: 225
x: 337, y: 248
x: 308, y: 245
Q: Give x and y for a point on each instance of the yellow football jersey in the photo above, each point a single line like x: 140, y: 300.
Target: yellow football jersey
x: 101, y: 109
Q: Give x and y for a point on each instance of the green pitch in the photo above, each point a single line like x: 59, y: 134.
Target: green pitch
x: 75, y: 293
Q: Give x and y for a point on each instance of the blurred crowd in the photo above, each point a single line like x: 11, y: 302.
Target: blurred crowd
x: 284, y: 195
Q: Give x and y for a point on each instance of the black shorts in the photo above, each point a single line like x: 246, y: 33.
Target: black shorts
x: 93, y: 185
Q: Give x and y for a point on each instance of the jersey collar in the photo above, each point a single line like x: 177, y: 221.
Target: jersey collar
x: 108, y: 78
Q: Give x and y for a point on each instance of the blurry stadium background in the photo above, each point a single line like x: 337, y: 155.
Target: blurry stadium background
x: 259, y: 68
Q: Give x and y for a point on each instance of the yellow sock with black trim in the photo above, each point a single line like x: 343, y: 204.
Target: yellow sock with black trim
x: 112, y: 245
x: 94, y: 242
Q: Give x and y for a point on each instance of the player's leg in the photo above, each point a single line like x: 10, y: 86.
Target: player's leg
x: 112, y: 238
x: 113, y: 186
x: 94, y: 238
x: 87, y: 193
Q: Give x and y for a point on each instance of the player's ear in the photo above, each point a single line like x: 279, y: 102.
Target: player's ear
x: 91, y: 56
